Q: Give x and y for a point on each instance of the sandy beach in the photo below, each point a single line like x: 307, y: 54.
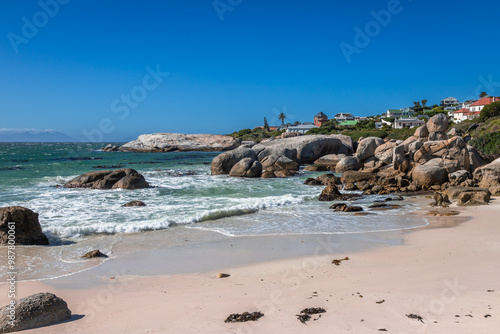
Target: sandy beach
x: 446, y: 272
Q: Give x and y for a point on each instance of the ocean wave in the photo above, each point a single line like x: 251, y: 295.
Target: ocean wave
x: 86, y: 227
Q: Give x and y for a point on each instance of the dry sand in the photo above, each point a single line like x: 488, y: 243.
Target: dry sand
x: 448, y: 273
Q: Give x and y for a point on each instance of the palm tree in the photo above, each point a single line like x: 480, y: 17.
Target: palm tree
x: 424, y: 103
x: 282, y: 117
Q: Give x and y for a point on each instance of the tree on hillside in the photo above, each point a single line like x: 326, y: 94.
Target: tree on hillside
x: 491, y: 110
x: 483, y: 94
x: 266, y: 126
x: 424, y: 103
x: 417, y: 104
x: 282, y: 117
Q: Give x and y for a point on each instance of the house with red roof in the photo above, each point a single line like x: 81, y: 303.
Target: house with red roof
x: 474, y: 109
x: 481, y: 103
x: 460, y: 115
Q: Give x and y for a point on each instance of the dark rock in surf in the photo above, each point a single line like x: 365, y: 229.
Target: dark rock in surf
x: 27, y: 228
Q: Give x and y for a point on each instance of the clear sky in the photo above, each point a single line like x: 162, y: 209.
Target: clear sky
x: 100, y: 67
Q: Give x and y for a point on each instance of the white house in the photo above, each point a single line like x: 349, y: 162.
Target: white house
x: 396, y: 113
x: 301, y: 128
x: 407, y: 123
x: 342, y: 117
x: 449, y: 102
x: 466, y: 104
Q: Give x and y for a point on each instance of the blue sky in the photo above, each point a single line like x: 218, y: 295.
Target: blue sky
x: 230, y: 63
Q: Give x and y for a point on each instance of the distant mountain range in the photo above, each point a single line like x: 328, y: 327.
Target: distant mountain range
x: 33, y: 135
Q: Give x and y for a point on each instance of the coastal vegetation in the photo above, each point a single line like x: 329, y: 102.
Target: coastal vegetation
x: 256, y: 135
x: 364, y: 128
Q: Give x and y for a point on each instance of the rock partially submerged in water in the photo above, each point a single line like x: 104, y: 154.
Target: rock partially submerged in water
x: 126, y: 178
x: 332, y: 193
x: 27, y: 229
x: 134, y: 203
x: 38, y: 310
x: 93, y: 254
x: 178, y: 142
x: 345, y: 208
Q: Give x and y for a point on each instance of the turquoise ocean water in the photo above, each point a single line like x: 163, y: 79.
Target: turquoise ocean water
x: 184, y: 194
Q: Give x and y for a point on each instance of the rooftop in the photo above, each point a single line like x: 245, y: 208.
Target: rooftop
x: 485, y: 101
x: 348, y: 123
x: 321, y: 115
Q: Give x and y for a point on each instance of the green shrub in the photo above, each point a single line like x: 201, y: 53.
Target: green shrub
x: 488, y: 144
x: 401, y: 133
x: 491, y: 110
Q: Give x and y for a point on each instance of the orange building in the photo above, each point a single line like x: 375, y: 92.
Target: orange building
x: 319, y: 119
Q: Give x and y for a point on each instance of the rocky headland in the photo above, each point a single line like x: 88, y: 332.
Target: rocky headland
x: 429, y: 160
x: 176, y: 142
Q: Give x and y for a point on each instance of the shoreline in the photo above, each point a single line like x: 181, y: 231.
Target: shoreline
x: 190, y: 248
x: 416, y: 276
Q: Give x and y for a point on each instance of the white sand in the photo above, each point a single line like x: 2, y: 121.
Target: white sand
x: 441, y: 274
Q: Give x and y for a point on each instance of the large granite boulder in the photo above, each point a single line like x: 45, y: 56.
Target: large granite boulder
x: 429, y: 175
x: 302, y: 149
x: 125, y: 178
x: 38, y: 310
x: 413, y: 147
x: 275, y: 163
x: 247, y: 167
x: 422, y: 132
x: 437, y: 123
x: 433, y: 136
x: 354, y: 176
x: 451, y: 166
x: 27, y: 228
x: 330, y: 160
x: 475, y: 159
x: 452, y: 149
x: 474, y: 198
x: 347, y: 144
x: 223, y: 163
x: 399, y: 159
x: 168, y: 142
x: 488, y: 176
x: 385, y: 152
x: 458, y: 177
x: 453, y: 192
x: 348, y: 163
x: 366, y: 148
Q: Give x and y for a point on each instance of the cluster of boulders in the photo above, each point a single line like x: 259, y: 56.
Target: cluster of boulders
x: 279, y: 157
x: 431, y: 159
x: 428, y: 160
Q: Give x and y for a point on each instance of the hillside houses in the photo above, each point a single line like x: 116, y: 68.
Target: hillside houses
x: 473, y: 110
